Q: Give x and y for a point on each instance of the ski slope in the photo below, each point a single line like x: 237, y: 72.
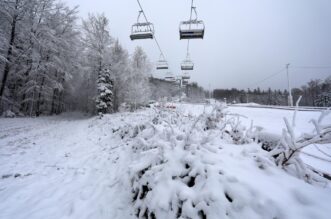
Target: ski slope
x: 73, y: 166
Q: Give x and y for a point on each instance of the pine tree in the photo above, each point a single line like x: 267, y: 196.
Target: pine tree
x: 105, y: 97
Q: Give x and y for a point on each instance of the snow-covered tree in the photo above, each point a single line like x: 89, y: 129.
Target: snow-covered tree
x: 40, y: 48
x: 105, y: 97
x: 121, y: 69
x: 40, y: 71
x: 97, y: 46
x: 137, y: 90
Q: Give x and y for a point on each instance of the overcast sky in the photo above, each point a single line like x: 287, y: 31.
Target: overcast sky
x: 245, y: 40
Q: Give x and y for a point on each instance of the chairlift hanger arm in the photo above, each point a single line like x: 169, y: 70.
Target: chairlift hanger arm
x: 191, y: 10
x: 196, y: 14
x: 140, y: 12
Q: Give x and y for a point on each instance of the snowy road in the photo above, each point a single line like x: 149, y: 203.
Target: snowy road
x: 58, y: 168
x: 76, y: 167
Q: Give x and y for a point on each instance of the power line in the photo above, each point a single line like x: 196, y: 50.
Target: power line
x: 312, y: 67
x: 282, y: 70
x: 269, y: 77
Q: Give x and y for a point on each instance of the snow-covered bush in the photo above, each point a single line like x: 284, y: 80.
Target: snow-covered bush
x: 180, y: 167
x: 167, y: 177
x: 8, y: 114
x: 287, y: 153
x: 237, y: 131
x: 174, y: 172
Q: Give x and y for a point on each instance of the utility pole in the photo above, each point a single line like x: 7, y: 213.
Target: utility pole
x: 290, y: 98
x: 180, y: 87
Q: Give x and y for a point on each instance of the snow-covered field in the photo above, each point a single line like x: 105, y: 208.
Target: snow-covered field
x: 72, y: 166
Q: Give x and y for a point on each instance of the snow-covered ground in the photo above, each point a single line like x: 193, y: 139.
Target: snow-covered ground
x: 72, y: 166
x: 61, y: 167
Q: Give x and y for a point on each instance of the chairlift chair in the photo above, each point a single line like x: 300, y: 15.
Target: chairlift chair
x: 186, y: 76
x: 184, y: 82
x: 142, y: 30
x: 162, y: 63
x: 187, y: 65
x: 170, y: 77
x: 192, y: 29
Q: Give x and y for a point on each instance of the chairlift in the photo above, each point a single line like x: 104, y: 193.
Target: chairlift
x: 192, y: 29
x: 170, y: 77
x: 142, y: 30
x: 162, y: 63
x: 187, y: 64
x: 184, y: 82
x: 186, y: 76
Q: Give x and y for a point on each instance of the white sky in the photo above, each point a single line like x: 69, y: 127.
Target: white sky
x: 245, y: 40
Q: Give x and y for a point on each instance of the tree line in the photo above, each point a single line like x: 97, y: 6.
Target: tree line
x: 315, y: 93
x: 49, y: 63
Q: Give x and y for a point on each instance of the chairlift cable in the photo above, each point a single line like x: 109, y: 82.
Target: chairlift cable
x: 188, y: 41
x: 157, y: 43
x: 188, y: 48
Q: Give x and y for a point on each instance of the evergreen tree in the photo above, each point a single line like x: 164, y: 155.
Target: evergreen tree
x: 105, y: 96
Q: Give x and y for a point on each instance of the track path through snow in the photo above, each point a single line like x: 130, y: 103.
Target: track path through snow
x: 59, y: 168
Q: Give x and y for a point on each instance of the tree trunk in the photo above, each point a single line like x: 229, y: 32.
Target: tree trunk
x: 8, y: 57
x: 39, y: 97
x: 60, y: 104
x: 53, y: 109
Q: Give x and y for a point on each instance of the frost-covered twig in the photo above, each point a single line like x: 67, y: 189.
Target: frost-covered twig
x: 295, y: 111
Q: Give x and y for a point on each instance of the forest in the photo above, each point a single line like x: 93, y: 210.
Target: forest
x: 49, y: 63
x: 314, y: 93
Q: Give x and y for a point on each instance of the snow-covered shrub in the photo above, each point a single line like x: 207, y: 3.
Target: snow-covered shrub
x: 237, y: 131
x: 180, y: 167
x: 287, y: 153
x: 173, y: 168
x: 8, y: 114
x: 166, y: 176
x: 215, y: 117
x: 176, y: 170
